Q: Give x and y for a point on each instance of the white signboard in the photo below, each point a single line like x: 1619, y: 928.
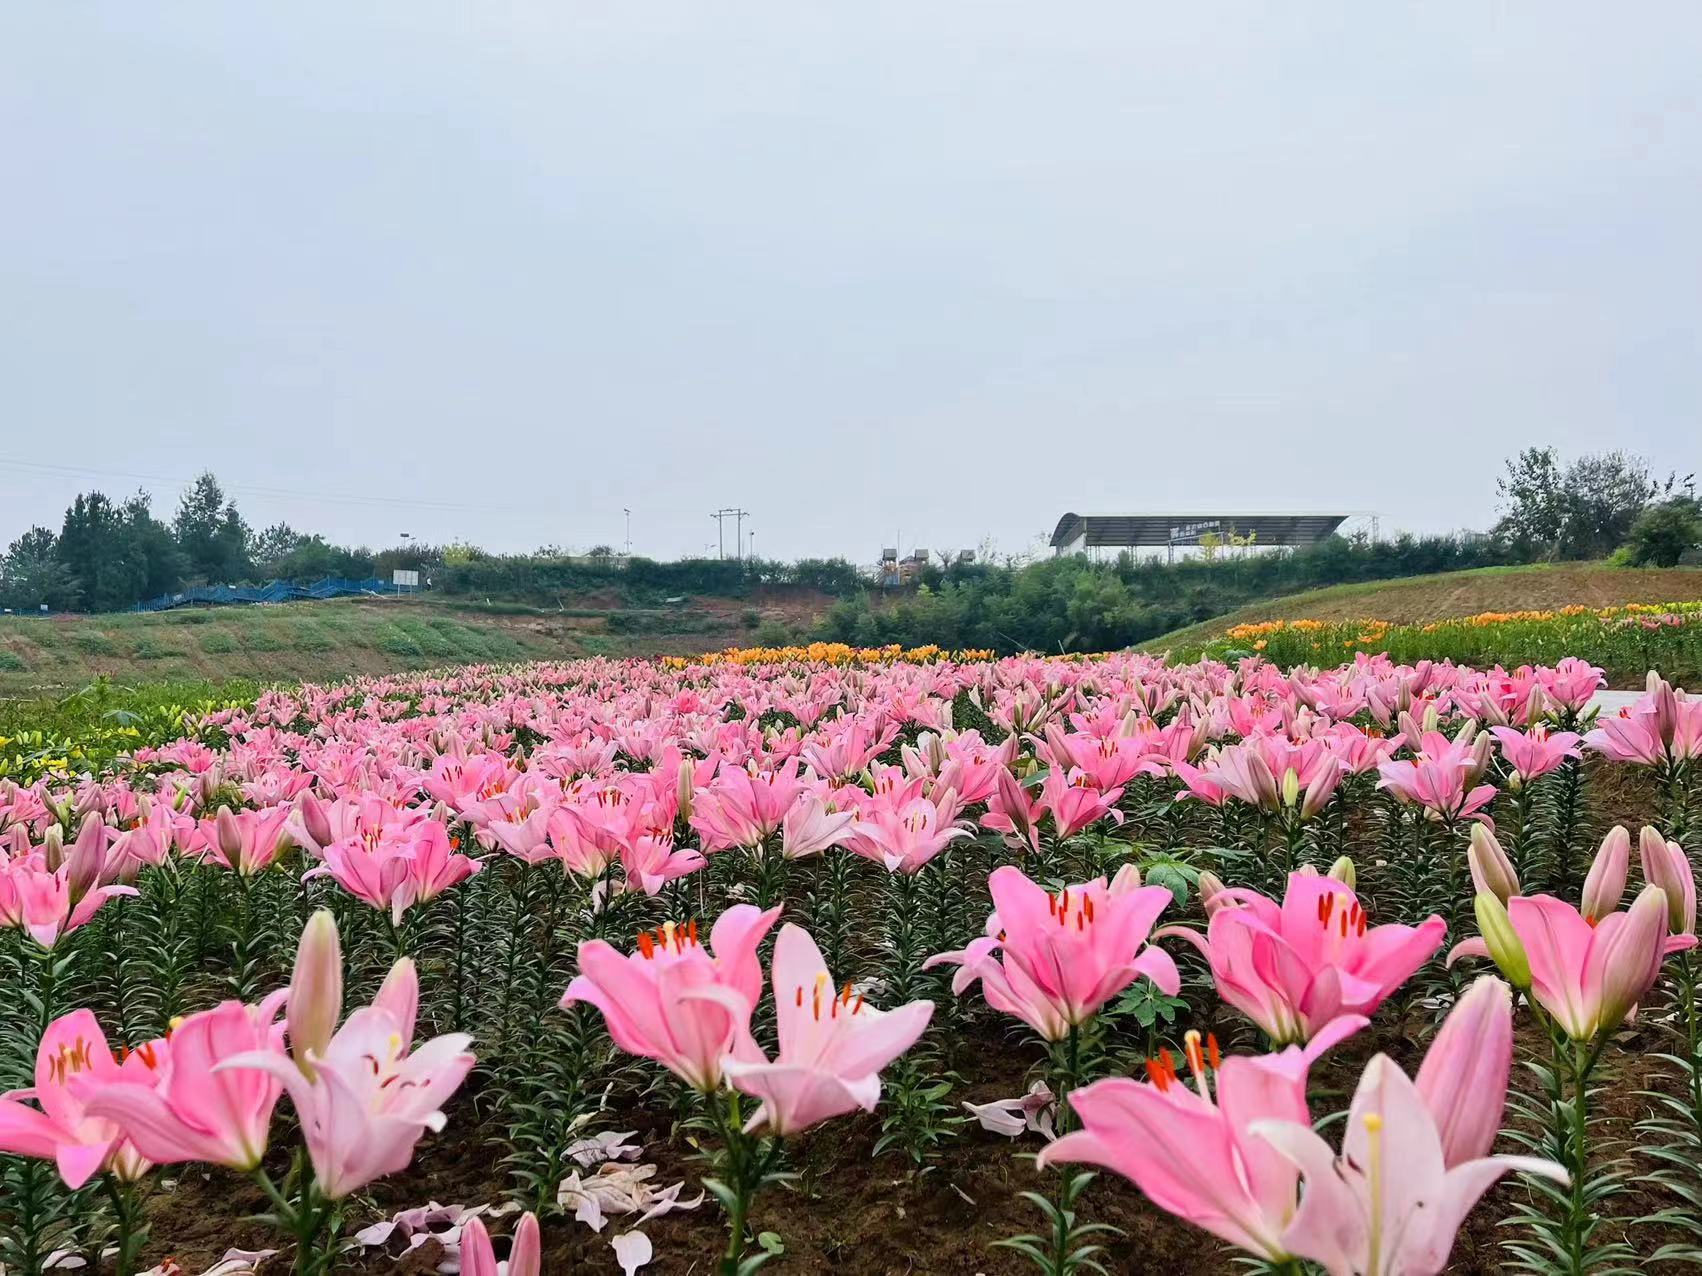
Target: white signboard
x: 405, y: 579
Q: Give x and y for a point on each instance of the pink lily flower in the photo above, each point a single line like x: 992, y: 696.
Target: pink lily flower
x: 1053, y: 961
x: 833, y: 1045
x: 1200, y: 784
x: 740, y: 808
x: 1588, y: 978
x: 1411, y: 1169
x: 651, y: 999
x: 410, y: 865
x: 195, y: 1111
x: 811, y: 827
x: 1108, y: 762
x: 371, y: 1096
x: 434, y: 866
x: 72, y: 1059
x: 44, y: 905
x: 1074, y: 802
x: 1442, y: 779
x: 246, y: 842
x: 1012, y: 813
x: 524, y: 833
x: 904, y: 837
x: 1294, y: 968
x: 1191, y: 1151
x: 651, y: 862
x: 1534, y: 753
x: 372, y: 870
x: 1665, y: 726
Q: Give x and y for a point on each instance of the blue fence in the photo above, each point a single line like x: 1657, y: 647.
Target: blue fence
x: 276, y: 591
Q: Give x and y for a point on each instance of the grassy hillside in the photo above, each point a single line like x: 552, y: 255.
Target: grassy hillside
x: 1418, y: 599
x: 319, y: 641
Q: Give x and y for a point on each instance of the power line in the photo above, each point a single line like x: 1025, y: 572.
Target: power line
x: 254, y: 489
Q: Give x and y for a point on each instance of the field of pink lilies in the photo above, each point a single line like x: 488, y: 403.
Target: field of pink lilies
x: 935, y: 966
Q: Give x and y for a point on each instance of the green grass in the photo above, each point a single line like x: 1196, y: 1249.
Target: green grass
x: 329, y: 641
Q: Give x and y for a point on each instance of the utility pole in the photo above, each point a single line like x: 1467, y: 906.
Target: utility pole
x: 739, y: 516
x: 628, y: 514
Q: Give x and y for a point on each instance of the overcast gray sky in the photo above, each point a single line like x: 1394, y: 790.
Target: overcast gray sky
x: 493, y: 272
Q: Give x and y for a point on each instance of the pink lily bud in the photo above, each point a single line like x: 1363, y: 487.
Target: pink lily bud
x: 1306, y: 870
x: 229, y: 833
x: 87, y: 857
x: 1666, y: 708
x: 1463, y: 1079
x: 53, y: 848
x: 314, y: 819
x: 1211, y: 888
x: 477, y: 1256
x: 1625, y: 962
x: 399, y: 995
x: 1482, y: 750
x: 316, y: 990
x: 1492, y: 871
x: 526, y: 1251
x: 1505, y: 948
x: 1344, y: 872
x: 1666, y: 865
x: 1128, y: 878
x: 1320, y: 791
x: 1605, y: 885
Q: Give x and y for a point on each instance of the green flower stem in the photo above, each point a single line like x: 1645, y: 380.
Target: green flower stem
x: 132, y: 1225
x: 313, y: 1220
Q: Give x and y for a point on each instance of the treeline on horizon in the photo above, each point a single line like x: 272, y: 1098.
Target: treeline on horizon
x: 109, y: 556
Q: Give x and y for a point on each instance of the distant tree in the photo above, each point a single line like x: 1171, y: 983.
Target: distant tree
x: 104, y: 547
x: 1584, y: 510
x: 1603, y: 496
x: 1664, y: 532
x: 162, y: 565
x: 1533, y: 499
x: 31, y: 574
x: 211, y: 533
x: 314, y: 558
x: 268, y: 549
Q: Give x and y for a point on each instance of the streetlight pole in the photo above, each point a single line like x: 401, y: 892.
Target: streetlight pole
x: 628, y: 514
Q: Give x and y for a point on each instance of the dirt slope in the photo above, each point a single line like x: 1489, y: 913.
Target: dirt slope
x: 320, y: 641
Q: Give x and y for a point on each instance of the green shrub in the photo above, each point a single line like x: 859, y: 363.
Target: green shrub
x: 94, y: 643
x: 773, y: 633
x: 150, y: 648
x: 12, y: 662
x: 217, y: 642
x: 1664, y: 533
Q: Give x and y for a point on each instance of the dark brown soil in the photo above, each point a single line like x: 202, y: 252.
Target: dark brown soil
x: 856, y: 1215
